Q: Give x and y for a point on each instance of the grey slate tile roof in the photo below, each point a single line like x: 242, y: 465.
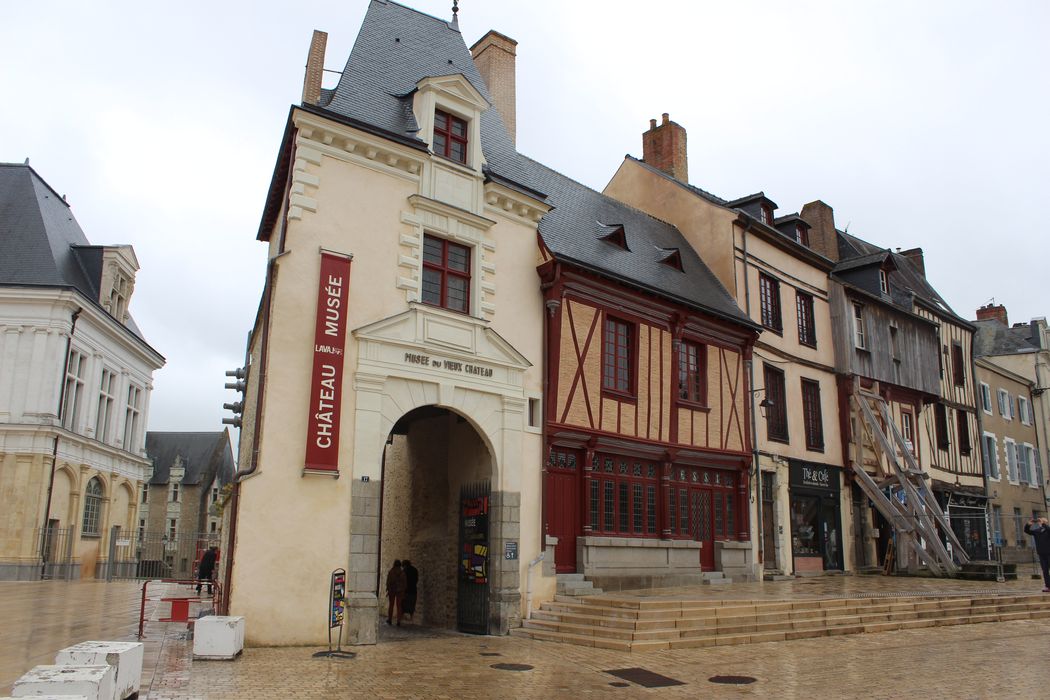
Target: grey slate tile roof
x: 41, y: 241
x: 204, y: 456
x: 993, y: 338
x: 397, y: 47
x: 904, y: 280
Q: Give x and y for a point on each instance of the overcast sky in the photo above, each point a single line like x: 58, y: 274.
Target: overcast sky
x: 921, y: 123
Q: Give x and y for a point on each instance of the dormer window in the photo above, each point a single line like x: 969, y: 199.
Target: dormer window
x: 801, y: 235
x: 767, y: 215
x: 884, y: 282
x: 118, y: 297
x: 450, y: 136
x: 672, y: 258
x: 617, y: 236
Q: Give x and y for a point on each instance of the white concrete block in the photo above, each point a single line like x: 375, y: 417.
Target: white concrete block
x: 91, y: 682
x: 124, y: 657
x: 218, y: 637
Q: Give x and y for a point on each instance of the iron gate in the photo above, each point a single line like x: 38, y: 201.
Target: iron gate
x: 142, y: 555
x: 472, y: 594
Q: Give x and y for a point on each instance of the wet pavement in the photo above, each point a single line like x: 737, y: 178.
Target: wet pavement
x: 1002, y: 660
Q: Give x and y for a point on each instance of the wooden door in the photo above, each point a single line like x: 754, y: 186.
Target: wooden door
x: 769, y: 542
x: 563, y: 517
x: 701, y: 525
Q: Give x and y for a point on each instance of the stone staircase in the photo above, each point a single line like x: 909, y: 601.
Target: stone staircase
x: 574, y: 585
x: 644, y: 625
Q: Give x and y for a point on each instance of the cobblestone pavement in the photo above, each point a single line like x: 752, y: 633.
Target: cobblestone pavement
x: 1000, y: 660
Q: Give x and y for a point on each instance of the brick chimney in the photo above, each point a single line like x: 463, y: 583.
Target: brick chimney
x: 822, y: 235
x: 663, y: 147
x: 494, y: 55
x: 915, y: 256
x: 993, y: 313
x: 314, y: 68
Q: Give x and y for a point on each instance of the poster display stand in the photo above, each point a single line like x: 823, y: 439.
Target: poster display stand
x: 336, y: 617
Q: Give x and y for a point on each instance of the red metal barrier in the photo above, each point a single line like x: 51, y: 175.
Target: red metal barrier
x: 179, y: 606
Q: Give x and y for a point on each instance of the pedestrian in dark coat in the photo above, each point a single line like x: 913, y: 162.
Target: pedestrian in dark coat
x: 1040, y: 532
x: 206, y: 568
x: 411, y: 588
x: 395, y: 591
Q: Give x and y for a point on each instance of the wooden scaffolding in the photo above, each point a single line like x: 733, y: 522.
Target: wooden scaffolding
x: 920, y: 525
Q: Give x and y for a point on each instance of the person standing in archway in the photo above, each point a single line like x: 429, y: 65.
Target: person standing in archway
x: 411, y: 589
x: 395, y: 591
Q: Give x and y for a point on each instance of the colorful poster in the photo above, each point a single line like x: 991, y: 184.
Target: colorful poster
x: 326, y: 385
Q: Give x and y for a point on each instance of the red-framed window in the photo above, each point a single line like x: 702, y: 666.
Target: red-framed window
x: 702, y: 504
x: 769, y: 298
x: 623, y: 496
x: 692, y: 373
x: 450, y: 136
x: 812, y: 416
x: 446, y: 274
x: 617, y: 361
x: 807, y: 327
x: 776, y: 409
x: 766, y: 214
x: 802, y: 234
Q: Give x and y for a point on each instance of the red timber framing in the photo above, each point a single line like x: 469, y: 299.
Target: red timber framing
x: 657, y: 460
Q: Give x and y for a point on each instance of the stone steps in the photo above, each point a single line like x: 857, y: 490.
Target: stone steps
x: 639, y: 625
x: 574, y: 585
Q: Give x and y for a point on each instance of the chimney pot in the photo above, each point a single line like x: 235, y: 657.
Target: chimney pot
x: 916, y: 257
x: 494, y: 56
x: 664, y: 148
x: 823, y: 238
x: 991, y: 312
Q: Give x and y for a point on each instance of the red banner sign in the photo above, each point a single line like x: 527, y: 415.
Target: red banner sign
x: 326, y: 385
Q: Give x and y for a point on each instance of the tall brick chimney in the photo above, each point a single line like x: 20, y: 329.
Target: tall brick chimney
x: 663, y: 147
x: 915, y: 256
x: 314, y: 68
x: 993, y: 313
x: 822, y: 236
x: 494, y: 55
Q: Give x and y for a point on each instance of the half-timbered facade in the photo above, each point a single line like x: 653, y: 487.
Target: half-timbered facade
x: 945, y: 432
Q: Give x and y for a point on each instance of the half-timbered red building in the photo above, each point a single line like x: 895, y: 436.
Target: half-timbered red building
x: 646, y: 419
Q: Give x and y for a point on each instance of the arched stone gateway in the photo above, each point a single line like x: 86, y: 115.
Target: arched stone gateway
x: 440, y: 415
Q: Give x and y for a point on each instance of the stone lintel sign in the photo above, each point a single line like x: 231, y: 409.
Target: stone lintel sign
x: 413, y: 358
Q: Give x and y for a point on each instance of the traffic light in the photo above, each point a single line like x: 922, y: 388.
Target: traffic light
x: 236, y: 407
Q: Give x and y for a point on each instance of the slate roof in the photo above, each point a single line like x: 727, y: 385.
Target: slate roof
x: 398, y: 46
x: 205, y: 456
x: 42, y: 243
x: 905, y: 280
x: 994, y: 338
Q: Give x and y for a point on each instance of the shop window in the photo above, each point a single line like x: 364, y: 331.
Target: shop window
x: 807, y: 330
x: 805, y: 530
x: 811, y: 414
x: 92, y: 507
x: 776, y: 411
x: 446, y: 274
x: 692, y: 372
x: 769, y: 299
x: 625, y: 500
x: 617, y: 360
x: 450, y: 136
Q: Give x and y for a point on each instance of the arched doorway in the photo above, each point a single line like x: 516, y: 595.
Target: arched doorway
x: 436, y: 511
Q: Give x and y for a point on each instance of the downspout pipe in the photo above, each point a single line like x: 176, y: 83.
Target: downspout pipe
x: 745, y: 225
x: 54, y: 449
x: 528, y: 584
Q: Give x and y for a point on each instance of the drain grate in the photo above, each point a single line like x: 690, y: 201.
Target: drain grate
x: 732, y: 680
x: 512, y: 667
x: 644, y: 677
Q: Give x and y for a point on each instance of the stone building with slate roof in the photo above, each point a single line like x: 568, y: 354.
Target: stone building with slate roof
x: 776, y: 268
x: 75, y: 382
x: 179, y: 503
x: 440, y: 274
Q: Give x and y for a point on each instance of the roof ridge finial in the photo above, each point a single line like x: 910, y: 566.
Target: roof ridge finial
x: 455, y: 14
